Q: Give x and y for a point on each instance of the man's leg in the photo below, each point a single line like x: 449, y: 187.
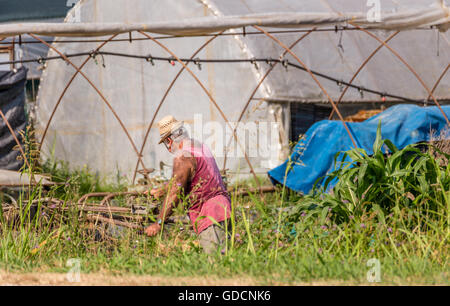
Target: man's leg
x: 213, y: 237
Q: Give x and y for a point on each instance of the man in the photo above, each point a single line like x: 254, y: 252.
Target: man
x: 195, y: 175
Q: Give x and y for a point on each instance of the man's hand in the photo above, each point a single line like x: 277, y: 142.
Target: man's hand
x: 157, y: 192
x: 153, y: 229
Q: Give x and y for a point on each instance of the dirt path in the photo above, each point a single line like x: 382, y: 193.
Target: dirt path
x: 60, y: 279
x: 7, y: 278
x: 107, y: 279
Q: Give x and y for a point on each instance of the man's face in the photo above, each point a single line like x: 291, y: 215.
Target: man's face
x: 168, y: 142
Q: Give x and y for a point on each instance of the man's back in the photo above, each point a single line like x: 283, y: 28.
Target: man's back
x: 207, y: 193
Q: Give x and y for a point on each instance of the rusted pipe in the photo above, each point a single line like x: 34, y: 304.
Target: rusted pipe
x: 66, y: 88
x: 314, y: 78
x: 117, y: 194
x: 245, y: 192
x: 92, y: 194
x: 96, y: 219
x: 97, y: 90
x: 408, y: 66
x: 210, y: 98
x: 439, y: 80
x: 92, y: 207
x: 359, y: 70
x: 257, y: 87
x: 32, y: 179
x: 164, y: 98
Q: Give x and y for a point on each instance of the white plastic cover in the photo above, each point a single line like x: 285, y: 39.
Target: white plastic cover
x: 84, y: 131
x: 291, y: 15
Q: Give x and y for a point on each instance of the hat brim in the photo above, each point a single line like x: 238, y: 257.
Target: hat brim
x: 175, y: 127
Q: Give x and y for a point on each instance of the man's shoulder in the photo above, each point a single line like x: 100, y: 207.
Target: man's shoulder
x: 184, y: 159
x: 199, y: 149
x: 183, y: 155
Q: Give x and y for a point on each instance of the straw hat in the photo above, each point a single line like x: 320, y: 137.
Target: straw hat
x: 167, y: 126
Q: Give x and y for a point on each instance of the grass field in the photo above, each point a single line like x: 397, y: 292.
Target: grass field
x: 385, y: 220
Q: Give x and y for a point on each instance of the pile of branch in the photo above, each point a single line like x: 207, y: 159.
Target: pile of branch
x: 131, y: 215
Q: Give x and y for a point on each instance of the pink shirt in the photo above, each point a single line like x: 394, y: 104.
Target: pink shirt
x: 207, y: 193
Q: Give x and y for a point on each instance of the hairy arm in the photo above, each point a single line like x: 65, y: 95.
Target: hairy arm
x: 183, y: 172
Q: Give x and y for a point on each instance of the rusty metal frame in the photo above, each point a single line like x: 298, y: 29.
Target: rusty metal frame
x: 32, y: 179
x: 10, y: 51
x: 117, y: 194
x: 67, y: 87
x: 97, y: 90
x: 165, y: 96
x: 257, y: 87
x: 210, y: 98
x: 184, y: 67
x: 407, y: 66
x: 360, y: 69
x: 439, y: 81
x: 314, y: 78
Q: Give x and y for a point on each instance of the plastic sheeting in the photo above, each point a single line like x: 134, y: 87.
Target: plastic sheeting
x: 341, y: 54
x: 84, y: 131
x: 313, y: 156
x: 28, y: 51
x: 406, y: 18
x: 10, y: 178
x: 12, y: 104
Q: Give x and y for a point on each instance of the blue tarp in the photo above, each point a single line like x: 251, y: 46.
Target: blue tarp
x: 313, y: 156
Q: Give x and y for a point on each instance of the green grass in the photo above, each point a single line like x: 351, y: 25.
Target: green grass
x: 393, y: 208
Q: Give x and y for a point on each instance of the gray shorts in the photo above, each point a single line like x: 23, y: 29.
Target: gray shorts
x: 213, y: 237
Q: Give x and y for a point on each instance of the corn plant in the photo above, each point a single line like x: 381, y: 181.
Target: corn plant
x: 394, y: 182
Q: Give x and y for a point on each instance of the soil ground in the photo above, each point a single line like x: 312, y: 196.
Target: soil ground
x: 99, y: 279
x: 106, y: 279
x: 61, y: 279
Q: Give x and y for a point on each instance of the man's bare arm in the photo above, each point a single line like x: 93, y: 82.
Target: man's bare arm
x: 183, y: 172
